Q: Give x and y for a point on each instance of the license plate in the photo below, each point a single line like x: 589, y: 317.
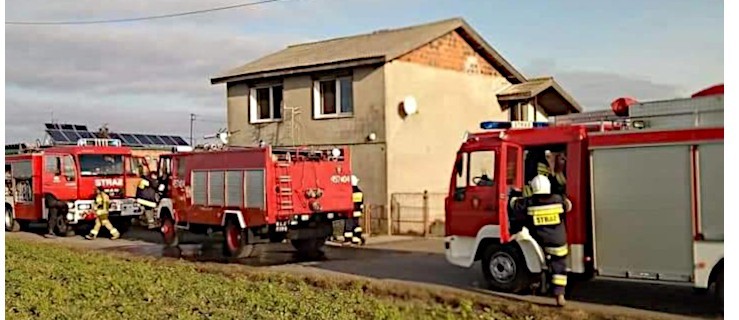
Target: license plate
x: 546, y: 219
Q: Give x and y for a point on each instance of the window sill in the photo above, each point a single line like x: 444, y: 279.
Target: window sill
x: 265, y: 121
x: 334, y: 116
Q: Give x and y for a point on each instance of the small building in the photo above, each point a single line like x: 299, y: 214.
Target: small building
x: 401, y: 99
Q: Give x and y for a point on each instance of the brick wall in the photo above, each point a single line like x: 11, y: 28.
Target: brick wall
x: 450, y: 51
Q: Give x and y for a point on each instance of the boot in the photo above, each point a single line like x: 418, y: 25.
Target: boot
x: 90, y: 236
x: 115, y: 234
x: 561, y: 300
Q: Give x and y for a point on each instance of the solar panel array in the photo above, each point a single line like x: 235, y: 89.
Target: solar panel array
x: 68, y: 134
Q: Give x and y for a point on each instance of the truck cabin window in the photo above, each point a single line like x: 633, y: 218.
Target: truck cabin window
x: 482, y: 168
x: 100, y: 165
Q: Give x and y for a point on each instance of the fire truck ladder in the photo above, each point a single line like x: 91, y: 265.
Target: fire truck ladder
x: 284, y: 184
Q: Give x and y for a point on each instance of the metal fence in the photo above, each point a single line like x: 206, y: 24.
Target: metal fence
x: 420, y: 213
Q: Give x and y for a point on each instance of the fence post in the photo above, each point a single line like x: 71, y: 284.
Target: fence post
x: 394, y: 208
x: 367, y: 220
x: 425, y: 213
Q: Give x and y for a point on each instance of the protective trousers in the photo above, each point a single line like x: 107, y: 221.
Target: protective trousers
x: 103, y: 220
x: 558, y: 263
x: 352, y: 230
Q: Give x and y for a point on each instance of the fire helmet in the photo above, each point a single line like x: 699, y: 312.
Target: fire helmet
x: 541, y: 185
x: 355, y: 181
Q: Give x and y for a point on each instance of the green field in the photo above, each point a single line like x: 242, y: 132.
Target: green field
x: 55, y: 282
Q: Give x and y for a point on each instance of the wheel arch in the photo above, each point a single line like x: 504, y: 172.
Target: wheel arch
x: 715, y: 271
x: 165, y: 207
x: 231, y: 214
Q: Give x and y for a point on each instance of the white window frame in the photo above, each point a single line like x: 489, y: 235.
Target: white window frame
x: 254, y: 107
x: 318, y: 101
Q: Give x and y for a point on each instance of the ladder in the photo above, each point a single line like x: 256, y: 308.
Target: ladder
x: 284, y: 184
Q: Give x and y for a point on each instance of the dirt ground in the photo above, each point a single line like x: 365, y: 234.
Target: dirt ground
x: 415, y: 261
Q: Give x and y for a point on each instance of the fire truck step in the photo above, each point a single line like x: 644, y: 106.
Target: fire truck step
x: 284, y: 178
x: 283, y: 164
x: 286, y: 208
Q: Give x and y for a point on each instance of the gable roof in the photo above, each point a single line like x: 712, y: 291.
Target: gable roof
x: 372, y: 48
x: 533, y: 87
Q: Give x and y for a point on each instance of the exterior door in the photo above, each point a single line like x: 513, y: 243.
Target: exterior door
x: 473, y: 201
x: 56, y: 180
x: 510, y: 168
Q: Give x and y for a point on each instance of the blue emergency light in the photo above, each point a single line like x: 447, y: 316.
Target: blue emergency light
x: 497, y: 125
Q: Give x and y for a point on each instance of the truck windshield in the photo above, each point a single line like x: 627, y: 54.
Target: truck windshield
x: 99, y: 164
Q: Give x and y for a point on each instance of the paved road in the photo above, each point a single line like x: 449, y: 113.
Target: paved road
x: 418, y: 261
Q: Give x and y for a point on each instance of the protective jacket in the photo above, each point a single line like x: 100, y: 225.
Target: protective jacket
x: 146, y: 193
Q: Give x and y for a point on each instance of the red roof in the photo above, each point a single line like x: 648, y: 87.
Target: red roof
x: 711, y: 91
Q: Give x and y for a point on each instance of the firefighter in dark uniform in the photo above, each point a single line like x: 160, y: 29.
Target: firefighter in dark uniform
x: 101, y: 205
x: 544, y: 214
x: 352, y: 229
x: 147, y: 196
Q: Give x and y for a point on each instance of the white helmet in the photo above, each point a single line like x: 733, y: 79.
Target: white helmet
x: 540, y: 185
x: 355, y: 181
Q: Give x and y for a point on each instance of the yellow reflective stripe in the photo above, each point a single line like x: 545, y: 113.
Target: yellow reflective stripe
x: 557, y: 251
x: 559, y: 280
x: 357, y: 197
x: 143, y: 183
x: 348, y: 234
x: 546, y: 210
x: 560, y: 178
x: 147, y: 203
x: 513, y: 200
x: 358, y: 229
x: 527, y: 191
x: 357, y: 213
x: 542, y: 169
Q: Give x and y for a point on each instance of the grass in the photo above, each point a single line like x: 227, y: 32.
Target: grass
x: 55, y: 282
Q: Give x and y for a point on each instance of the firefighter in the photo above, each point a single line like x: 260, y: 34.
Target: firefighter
x: 102, y: 203
x: 536, y: 164
x: 352, y: 229
x: 57, y: 210
x: 543, y: 213
x: 147, y: 197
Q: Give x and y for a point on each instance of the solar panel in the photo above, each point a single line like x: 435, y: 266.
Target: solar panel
x: 156, y: 140
x: 50, y: 125
x: 73, y: 136
x: 57, y: 136
x: 129, y: 139
x: 180, y: 141
x: 67, y: 127
x: 86, y: 134
x: 143, y: 139
x: 80, y: 127
x: 168, y: 140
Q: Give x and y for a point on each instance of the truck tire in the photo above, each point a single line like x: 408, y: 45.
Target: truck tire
x: 720, y: 289
x: 309, y: 248
x: 170, y: 234
x: 504, y: 267
x: 235, y: 242
x: 63, y: 228
x: 11, y: 225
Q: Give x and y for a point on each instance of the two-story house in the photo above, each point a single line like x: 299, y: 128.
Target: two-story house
x: 350, y: 91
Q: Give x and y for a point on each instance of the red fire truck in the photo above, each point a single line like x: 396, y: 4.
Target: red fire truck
x: 646, y: 189
x: 256, y: 196
x: 69, y: 174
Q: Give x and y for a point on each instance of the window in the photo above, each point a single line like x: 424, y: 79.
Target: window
x: 53, y: 165
x: 69, y: 171
x: 461, y: 168
x: 265, y: 104
x: 216, y: 185
x: 99, y: 165
x: 181, y: 167
x: 333, y: 98
x: 482, y: 168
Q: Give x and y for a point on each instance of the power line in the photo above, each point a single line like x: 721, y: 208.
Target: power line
x: 171, y: 15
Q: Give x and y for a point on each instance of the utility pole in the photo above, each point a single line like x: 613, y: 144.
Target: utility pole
x: 192, y: 121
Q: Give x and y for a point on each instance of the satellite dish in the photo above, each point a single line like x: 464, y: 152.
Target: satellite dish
x: 223, y: 136
x: 409, y: 105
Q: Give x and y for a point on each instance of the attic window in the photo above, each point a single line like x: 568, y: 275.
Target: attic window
x: 333, y: 98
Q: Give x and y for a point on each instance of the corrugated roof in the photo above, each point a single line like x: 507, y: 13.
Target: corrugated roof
x: 376, y: 47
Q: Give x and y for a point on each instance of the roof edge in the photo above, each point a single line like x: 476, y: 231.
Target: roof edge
x: 299, y: 70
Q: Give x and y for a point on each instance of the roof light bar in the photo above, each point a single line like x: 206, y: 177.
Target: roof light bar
x: 498, y: 125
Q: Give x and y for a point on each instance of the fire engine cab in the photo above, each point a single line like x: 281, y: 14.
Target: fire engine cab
x: 68, y: 174
x: 645, y: 182
x: 256, y: 196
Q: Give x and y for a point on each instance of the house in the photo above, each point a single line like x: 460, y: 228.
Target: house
x: 361, y: 91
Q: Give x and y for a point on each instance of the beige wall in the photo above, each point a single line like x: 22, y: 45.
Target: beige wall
x: 421, y: 148
x: 368, y: 158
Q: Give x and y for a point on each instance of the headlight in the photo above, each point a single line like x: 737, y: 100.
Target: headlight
x: 84, y: 206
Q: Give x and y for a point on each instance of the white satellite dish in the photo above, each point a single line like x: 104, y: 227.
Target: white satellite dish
x: 409, y: 105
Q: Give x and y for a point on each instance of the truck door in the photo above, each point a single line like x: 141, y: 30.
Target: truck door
x: 58, y: 181
x: 510, y: 169
x: 473, y: 201
x: 164, y: 172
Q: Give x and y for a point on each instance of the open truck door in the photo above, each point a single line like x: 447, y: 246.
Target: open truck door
x: 136, y: 167
x: 510, y: 170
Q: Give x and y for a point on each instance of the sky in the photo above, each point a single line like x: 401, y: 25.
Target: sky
x: 148, y: 76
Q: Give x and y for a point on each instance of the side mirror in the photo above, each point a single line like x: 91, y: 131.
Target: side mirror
x: 459, y: 194
x: 458, y: 166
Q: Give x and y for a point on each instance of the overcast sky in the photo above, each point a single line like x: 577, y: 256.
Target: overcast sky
x: 149, y: 76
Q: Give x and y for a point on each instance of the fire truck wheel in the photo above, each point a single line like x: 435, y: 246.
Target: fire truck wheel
x: 170, y: 234
x: 309, y: 248
x: 63, y: 228
x: 236, y: 241
x: 505, y: 269
x: 720, y: 289
x: 11, y: 225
